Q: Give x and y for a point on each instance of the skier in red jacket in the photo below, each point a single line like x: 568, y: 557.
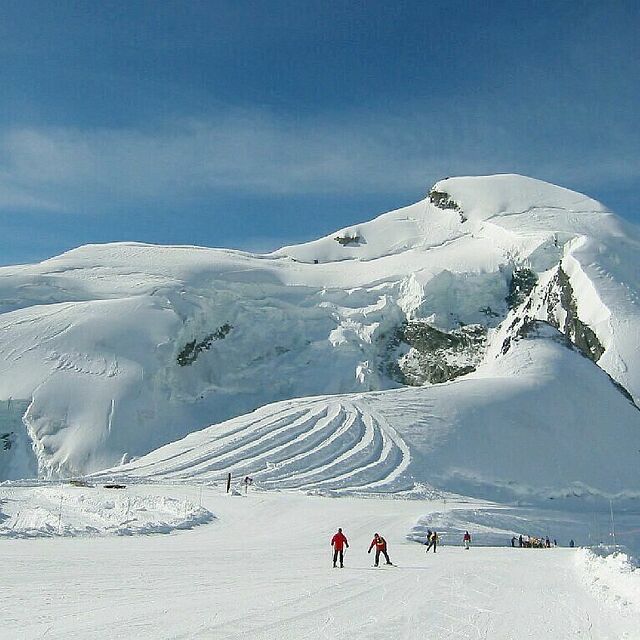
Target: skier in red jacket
x: 381, y: 548
x: 339, y: 542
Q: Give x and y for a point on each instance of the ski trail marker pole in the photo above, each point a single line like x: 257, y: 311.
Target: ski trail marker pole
x: 60, y: 514
x: 613, y: 524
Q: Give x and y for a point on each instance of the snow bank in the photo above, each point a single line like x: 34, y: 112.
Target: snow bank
x: 612, y: 578
x: 314, y: 444
x: 72, y: 511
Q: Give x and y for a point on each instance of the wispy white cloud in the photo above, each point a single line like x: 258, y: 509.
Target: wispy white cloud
x: 14, y: 197
x: 259, y: 153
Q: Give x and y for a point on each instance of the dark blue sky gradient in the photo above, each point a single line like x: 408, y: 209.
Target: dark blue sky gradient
x: 254, y: 124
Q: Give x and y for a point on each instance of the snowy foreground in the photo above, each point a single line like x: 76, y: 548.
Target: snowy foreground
x: 262, y: 569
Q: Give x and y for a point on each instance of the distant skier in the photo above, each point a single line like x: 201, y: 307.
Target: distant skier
x: 513, y: 541
x: 339, y: 542
x: 520, y: 541
x: 572, y: 543
x: 466, y: 539
x: 381, y: 548
x: 433, y: 541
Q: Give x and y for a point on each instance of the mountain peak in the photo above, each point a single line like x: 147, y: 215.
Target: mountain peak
x: 484, y: 197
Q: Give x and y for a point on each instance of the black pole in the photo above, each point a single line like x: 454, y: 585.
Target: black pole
x: 228, y: 482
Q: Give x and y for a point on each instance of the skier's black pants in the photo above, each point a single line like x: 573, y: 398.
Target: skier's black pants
x: 432, y: 544
x: 386, y: 556
x: 335, y: 556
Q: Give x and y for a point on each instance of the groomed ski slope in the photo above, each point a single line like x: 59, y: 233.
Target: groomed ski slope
x: 262, y: 570
x: 535, y: 424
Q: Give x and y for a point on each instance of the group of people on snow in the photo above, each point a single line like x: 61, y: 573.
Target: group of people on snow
x: 433, y: 539
x: 531, y: 542
x: 340, y: 543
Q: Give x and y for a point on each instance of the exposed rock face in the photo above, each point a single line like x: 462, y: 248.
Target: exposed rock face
x: 189, y: 353
x: 554, y: 303
x: 560, y: 292
x: 521, y: 285
x: 443, y: 200
x: 419, y: 353
x: 345, y: 240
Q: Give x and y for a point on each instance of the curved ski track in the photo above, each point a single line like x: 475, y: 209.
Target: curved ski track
x: 312, y: 445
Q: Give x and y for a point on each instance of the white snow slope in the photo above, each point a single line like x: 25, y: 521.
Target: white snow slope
x: 262, y: 570
x: 94, y: 341
x: 533, y: 425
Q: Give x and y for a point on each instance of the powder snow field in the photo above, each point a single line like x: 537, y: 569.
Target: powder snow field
x: 262, y: 570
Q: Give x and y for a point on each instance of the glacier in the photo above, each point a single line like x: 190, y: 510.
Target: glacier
x: 119, y: 349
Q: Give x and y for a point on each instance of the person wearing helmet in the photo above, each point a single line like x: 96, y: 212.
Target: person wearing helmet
x: 339, y: 542
x: 381, y: 548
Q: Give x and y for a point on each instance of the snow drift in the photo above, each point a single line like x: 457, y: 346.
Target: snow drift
x: 52, y: 511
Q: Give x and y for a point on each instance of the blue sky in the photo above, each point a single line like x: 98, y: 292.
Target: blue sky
x: 256, y: 124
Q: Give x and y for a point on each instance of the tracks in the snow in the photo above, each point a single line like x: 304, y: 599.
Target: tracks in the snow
x: 319, y: 444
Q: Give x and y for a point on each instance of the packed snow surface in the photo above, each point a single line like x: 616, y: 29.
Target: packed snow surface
x: 262, y: 570
x: 119, y: 349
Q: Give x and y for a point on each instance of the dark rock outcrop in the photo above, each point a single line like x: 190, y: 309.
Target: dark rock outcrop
x: 190, y: 352
x: 418, y: 353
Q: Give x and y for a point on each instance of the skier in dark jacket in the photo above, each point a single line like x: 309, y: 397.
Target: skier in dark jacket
x: 466, y: 538
x: 433, y: 540
x: 339, y: 542
x: 381, y: 548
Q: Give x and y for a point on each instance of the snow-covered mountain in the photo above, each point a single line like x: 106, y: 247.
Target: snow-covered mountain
x: 451, y: 307
x: 533, y: 425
